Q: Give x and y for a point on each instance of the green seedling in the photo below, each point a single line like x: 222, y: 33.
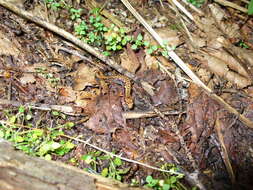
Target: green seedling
x: 54, y: 4
x: 75, y: 13
x: 138, y: 42
x: 117, y: 39
x: 196, y: 3
x: 54, y: 81
x: 81, y: 29
x: 243, y: 45
x: 113, y: 170
x: 43, y: 142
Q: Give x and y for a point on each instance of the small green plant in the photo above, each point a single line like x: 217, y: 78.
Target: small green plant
x: 81, y: 29
x: 116, y: 39
x: 55, y: 4
x: 169, y: 181
x: 113, y: 170
x: 43, y: 142
x: 47, y: 75
x: 75, y: 13
x: 196, y: 3
x: 243, y: 45
x: 138, y: 42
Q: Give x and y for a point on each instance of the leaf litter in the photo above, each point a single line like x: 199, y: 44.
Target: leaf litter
x: 26, y: 71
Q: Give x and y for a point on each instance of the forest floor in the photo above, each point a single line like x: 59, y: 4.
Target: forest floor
x: 104, y: 96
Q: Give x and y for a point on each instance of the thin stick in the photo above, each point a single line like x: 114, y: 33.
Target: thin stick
x: 123, y: 158
x: 233, y: 5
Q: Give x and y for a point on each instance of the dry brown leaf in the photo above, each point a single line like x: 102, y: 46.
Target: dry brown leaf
x: 201, y: 114
x: 129, y: 61
x: 108, y: 115
x: 228, y: 27
x: 166, y: 94
x: 168, y: 35
x: 67, y: 94
x: 27, y: 78
x: 7, y: 47
x: 232, y: 63
x: 84, y: 76
x: 151, y: 62
x: 220, y: 68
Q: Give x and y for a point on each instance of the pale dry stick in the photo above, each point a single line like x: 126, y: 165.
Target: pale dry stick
x: 73, y: 111
x: 232, y: 5
x: 245, y: 1
x: 223, y: 151
x: 123, y: 158
x: 185, y: 68
x: 145, y: 114
x: 68, y: 110
x: 181, y: 8
x: 193, y: 7
x: 51, y: 27
x: 179, y: 16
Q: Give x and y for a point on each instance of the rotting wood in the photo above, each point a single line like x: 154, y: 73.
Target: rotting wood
x: 22, y: 172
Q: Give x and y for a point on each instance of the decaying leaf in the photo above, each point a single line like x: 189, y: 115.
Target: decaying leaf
x: 129, y: 60
x: 108, y: 115
x: 228, y: 27
x: 220, y: 68
x: 84, y: 76
x: 7, y: 47
x: 27, y: 78
x: 67, y: 94
x: 201, y: 114
x: 168, y: 35
x: 166, y: 94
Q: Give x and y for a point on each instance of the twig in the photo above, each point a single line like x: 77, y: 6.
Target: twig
x: 230, y: 4
x: 147, y: 87
x: 185, y: 68
x: 123, y: 158
x: 223, y: 151
x: 144, y: 114
x: 180, y: 7
x: 45, y: 107
x: 193, y: 7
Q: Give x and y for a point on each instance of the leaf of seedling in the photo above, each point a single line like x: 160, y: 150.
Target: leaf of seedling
x: 64, y: 148
x: 87, y: 158
x: 104, y: 172
x: 146, y: 44
x: 48, y: 147
x: 69, y: 125
x: 139, y: 37
x: 117, y: 161
x: 48, y: 157
x: 21, y: 109
x: 28, y: 117
x: 12, y: 119
x: 134, y: 47
x: 1, y: 134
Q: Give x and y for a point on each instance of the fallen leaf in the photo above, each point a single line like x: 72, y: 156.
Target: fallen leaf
x: 166, y: 94
x: 108, y: 115
x: 129, y: 60
x: 27, y: 78
x: 84, y: 76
